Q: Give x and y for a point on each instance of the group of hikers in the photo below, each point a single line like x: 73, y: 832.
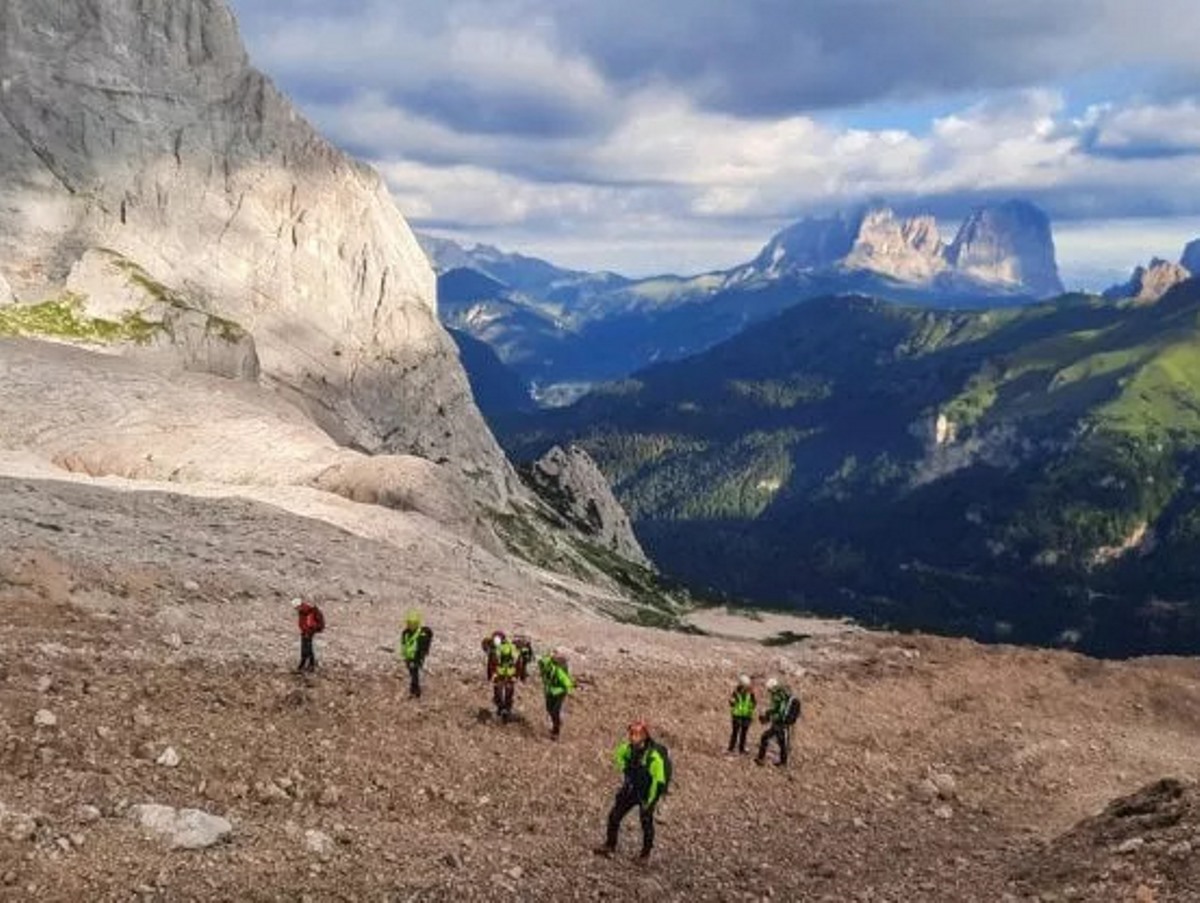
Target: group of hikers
x: 644, y: 763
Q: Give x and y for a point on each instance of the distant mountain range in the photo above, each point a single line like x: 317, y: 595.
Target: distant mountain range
x: 560, y: 328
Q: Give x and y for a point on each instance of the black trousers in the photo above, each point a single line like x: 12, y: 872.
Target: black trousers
x: 502, y: 697
x: 414, y: 679
x: 737, y: 736
x: 554, y: 706
x: 780, y: 733
x: 627, y: 799
x: 308, y: 660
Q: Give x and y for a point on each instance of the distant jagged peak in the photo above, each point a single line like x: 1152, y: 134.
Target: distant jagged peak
x: 1149, y: 283
x: 910, y: 250
x: 813, y: 243
x: 1004, y: 248
x: 1008, y: 244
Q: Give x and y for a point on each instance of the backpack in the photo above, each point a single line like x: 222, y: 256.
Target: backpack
x: 668, y: 767
x: 791, y: 712
x: 319, y: 619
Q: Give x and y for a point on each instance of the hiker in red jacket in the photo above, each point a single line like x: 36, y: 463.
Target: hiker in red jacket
x: 312, y: 622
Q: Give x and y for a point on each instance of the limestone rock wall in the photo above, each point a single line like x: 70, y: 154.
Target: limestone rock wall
x: 141, y: 129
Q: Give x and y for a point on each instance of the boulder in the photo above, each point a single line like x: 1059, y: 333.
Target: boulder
x: 181, y: 829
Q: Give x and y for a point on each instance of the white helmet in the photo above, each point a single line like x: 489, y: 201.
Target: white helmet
x: 772, y: 684
x: 497, y: 641
x: 297, y: 602
x: 744, y: 680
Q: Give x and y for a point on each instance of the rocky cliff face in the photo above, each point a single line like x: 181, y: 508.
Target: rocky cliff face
x: 1007, y: 244
x: 1003, y: 249
x: 910, y: 250
x: 574, y: 486
x: 140, y: 131
x: 1149, y: 283
x: 812, y: 243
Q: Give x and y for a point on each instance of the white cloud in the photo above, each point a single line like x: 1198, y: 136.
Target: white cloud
x: 643, y: 130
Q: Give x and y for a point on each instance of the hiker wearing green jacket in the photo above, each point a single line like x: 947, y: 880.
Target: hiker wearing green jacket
x: 557, y: 683
x: 742, y: 708
x: 646, y: 769
x: 412, y: 648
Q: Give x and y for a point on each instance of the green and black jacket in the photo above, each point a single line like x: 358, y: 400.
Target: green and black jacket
x: 643, y: 768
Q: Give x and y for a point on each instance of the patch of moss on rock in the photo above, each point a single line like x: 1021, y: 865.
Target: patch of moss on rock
x: 64, y: 318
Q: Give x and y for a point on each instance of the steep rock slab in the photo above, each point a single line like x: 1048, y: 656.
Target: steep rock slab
x: 572, y: 483
x: 142, y: 129
x: 1149, y: 283
x: 1007, y: 244
x: 910, y: 250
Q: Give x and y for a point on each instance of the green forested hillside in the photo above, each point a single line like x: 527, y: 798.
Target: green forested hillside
x: 1027, y: 474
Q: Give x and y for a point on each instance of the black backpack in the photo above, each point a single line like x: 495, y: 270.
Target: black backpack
x: 791, y: 713
x: 668, y: 767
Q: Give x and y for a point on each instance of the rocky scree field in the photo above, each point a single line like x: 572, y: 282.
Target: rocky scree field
x: 925, y: 769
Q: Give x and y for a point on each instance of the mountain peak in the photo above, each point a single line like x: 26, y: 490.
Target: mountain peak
x: 1190, y: 259
x: 1001, y: 248
x: 1007, y: 244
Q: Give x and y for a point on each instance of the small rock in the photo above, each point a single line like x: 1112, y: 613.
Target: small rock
x: 330, y: 795
x: 485, y: 801
x: 10, y: 878
x: 944, y: 812
x: 859, y: 823
x: 1180, y: 850
x: 24, y: 828
x: 104, y: 733
x: 269, y: 791
x: 947, y: 787
x: 44, y: 718
x: 169, y: 758
x: 174, y: 640
x: 1144, y: 894
x: 141, y: 718
x: 452, y: 860
x: 45, y: 683
x: 318, y: 842
x: 925, y: 790
x: 63, y: 843
x: 191, y: 586
x: 87, y: 815
x: 1132, y: 845
x: 516, y: 873
x: 78, y: 840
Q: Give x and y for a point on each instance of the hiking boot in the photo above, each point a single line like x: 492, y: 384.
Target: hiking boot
x: 606, y: 851
x: 758, y: 761
x: 645, y: 853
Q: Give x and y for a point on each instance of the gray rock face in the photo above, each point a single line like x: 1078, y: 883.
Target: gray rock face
x: 910, y: 250
x: 575, y: 487
x: 181, y: 829
x: 1007, y: 244
x: 1150, y: 283
x: 812, y: 243
x: 142, y: 130
x: 1190, y: 259
x: 1004, y: 248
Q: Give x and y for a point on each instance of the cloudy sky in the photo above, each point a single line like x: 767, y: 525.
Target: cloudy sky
x: 678, y: 135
